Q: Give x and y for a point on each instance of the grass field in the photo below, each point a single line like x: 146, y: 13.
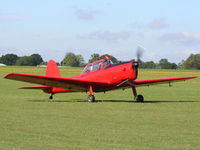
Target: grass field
x: 168, y: 120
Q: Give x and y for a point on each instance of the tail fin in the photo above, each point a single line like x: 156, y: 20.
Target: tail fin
x: 52, y: 69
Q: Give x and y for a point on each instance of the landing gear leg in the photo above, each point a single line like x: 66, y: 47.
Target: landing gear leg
x: 138, y: 98
x: 91, y: 97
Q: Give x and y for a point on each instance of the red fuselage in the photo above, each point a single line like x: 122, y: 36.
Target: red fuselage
x: 113, y: 75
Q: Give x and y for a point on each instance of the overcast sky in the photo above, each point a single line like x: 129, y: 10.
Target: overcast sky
x: 166, y: 29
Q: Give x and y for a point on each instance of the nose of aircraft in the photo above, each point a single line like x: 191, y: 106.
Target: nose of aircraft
x: 135, y: 65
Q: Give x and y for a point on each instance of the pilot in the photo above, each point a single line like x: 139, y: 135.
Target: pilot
x: 107, y: 62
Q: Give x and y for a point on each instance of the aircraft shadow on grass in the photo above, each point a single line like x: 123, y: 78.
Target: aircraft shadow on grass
x: 115, y: 101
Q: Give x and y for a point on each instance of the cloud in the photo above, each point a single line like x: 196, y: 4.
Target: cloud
x: 186, y: 53
x: 150, y: 56
x: 12, y: 17
x: 137, y: 25
x: 157, y: 24
x: 182, y: 38
x: 86, y: 15
x: 108, y: 36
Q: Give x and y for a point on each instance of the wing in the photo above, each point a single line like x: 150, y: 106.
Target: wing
x: 59, y: 82
x: 160, y: 81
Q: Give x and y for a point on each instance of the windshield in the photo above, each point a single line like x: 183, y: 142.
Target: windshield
x: 97, y: 66
x: 92, y: 67
x: 87, y: 68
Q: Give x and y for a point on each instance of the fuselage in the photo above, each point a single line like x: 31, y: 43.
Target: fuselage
x: 112, y: 74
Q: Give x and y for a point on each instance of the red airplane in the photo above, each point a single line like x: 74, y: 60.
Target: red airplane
x: 99, y: 76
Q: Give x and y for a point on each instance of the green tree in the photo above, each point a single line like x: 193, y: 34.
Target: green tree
x: 33, y: 60
x: 72, y: 59
x: 9, y: 59
x: 192, y: 62
x: 94, y: 57
x: 174, y: 66
x: 80, y: 60
x: 148, y: 64
x: 180, y: 64
x: 24, y: 61
x: 165, y: 64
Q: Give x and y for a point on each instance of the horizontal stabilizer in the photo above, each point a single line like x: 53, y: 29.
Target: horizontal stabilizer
x: 36, y: 87
x: 48, y: 89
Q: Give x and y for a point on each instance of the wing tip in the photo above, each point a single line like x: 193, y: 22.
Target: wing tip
x: 191, y: 77
x: 8, y: 75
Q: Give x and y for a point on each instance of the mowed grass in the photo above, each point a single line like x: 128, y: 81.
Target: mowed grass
x: 168, y: 120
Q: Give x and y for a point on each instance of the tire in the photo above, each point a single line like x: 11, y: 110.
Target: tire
x: 91, y: 98
x: 139, y: 98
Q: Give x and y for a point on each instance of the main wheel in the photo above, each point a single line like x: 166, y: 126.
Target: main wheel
x: 139, y: 98
x: 91, y: 98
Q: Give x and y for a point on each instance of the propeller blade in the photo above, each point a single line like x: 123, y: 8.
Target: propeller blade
x: 139, y: 53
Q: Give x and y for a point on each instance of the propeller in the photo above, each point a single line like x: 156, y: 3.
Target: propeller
x: 139, y: 53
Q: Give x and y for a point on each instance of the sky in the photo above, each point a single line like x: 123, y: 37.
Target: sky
x: 165, y: 29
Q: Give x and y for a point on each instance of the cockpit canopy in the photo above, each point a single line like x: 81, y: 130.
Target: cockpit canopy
x: 97, y: 65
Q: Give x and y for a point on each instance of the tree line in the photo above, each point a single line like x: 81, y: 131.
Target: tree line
x: 192, y: 62
x: 13, y: 59
x: 74, y: 60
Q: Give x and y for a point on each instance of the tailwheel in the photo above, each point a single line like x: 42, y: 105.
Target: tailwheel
x: 51, y: 97
x: 139, y: 98
x: 91, y: 98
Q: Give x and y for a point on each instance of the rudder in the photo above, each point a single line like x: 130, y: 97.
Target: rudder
x: 52, y: 69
